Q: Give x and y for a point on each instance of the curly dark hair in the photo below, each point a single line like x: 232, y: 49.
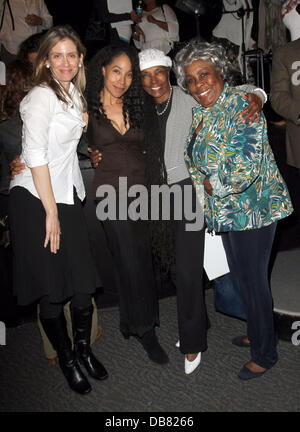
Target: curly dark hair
x: 18, y: 83
x: 133, y: 99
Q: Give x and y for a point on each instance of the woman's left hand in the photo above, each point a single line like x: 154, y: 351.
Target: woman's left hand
x: 151, y: 19
x: 16, y: 166
x: 33, y: 20
x: 95, y: 157
x: 252, y: 112
x: 137, y: 33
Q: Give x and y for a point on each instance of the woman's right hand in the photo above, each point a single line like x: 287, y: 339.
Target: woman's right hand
x: 95, y: 157
x: 135, y: 17
x: 16, y: 166
x: 42, y: 181
x: 52, y: 232
x: 138, y: 33
x: 207, y: 186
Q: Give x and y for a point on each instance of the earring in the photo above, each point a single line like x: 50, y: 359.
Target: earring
x: 48, y: 66
x: 79, y: 65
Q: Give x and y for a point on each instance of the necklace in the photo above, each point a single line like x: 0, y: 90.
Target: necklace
x: 167, y: 104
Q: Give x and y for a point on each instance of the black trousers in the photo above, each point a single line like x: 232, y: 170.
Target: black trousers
x: 130, y: 247
x: 248, y: 254
x: 191, y: 308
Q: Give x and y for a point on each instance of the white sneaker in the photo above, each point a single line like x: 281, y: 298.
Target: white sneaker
x: 177, y: 344
x: 190, y: 366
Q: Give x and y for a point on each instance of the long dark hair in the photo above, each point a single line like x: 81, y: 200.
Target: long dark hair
x: 133, y: 99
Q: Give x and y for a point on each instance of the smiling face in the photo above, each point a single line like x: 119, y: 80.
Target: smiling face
x: 155, y: 81
x: 118, y: 76
x: 204, y: 82
x: 64, y: 61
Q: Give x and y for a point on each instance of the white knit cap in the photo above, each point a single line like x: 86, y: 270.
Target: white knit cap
x: 153, y: 57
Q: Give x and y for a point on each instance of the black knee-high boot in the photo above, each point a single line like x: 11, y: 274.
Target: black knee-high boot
x: 56, y: 330
x: 82, y: 324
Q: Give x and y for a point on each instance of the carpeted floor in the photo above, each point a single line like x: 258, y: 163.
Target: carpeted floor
x: 285, y: 282
x: 29, y: 384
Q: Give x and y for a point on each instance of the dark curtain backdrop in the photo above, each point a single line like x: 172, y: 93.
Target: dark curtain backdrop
x: 77, y: 15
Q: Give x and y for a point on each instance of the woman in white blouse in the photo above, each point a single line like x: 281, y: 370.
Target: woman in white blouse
x: 53, y: 262
x: 159, y: 27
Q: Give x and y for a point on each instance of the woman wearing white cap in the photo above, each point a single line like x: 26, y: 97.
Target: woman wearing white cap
x: 170, y: 120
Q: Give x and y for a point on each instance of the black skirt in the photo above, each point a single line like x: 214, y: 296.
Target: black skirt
x: 37, y: 271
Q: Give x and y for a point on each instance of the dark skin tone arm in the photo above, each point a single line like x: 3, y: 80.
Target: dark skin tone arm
x: 159, y: 23
x: 207, y: 186
x: 250, y: 114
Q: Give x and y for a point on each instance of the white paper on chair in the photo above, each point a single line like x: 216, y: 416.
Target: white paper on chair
x: 215, y: 261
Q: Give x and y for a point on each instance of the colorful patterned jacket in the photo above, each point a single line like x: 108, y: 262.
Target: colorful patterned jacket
x: 248, y: 190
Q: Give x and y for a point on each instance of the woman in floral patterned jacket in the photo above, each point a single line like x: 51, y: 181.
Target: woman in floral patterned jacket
x: 244, y: 193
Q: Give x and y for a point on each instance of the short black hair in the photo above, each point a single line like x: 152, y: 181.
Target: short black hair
x: 30, y: 45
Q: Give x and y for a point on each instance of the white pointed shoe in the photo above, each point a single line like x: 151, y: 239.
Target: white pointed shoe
x: 177, y: 344
x: 190, y: 366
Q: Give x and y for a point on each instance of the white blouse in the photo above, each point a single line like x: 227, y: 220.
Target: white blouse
x: 51, y: 132
x: 156, y: 37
